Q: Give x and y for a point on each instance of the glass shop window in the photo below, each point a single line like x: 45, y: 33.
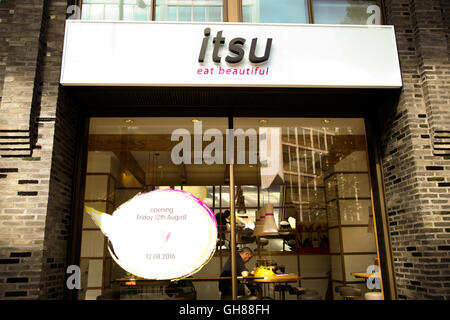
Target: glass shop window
x: 129, y: 10
x: 345, y: 11
x: 165, y: 10
x: 319, y: 192
x: 189, y: 10
x: 304, y: 206
x: 131, y: 156
x: 320, y: 11
x: 275, y: 11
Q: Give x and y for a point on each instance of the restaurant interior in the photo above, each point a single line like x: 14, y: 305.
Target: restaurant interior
x: 321, y: 232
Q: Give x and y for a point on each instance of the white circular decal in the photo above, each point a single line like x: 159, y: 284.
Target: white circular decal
x: 163, y: 234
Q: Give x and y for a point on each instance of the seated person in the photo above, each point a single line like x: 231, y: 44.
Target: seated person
x: 225, y: 286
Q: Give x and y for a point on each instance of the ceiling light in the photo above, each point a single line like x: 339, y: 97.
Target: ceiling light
x: 326, y: 121
x: 194, y: 120
x: 263, y: 121
x: 129, y: 121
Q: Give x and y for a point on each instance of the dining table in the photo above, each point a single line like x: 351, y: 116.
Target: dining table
x: 277, y: 281
x: 366, y: 275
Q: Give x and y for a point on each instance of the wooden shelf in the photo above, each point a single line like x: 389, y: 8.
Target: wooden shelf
x: 309, y: 175
x: 349, y: 198
x: 303, y: 147
x: 343, y: 172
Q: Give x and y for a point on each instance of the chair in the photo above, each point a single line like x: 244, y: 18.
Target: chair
x: 337, y: 288
x: 305, y: 293
x: 309, y: 294
x: 349, y: 293
x: 296, y: 290
x: 373, y: 295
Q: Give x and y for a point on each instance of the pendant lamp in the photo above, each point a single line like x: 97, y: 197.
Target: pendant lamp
x: 269, y: 227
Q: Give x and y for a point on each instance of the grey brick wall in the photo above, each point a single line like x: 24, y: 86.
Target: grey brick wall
x: 6, y: 15
x: 416, y: 157
x: 37, y: 148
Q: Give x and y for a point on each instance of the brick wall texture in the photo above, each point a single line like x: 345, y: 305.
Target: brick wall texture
x: 38, y: 124
x: 37, y: 149
x: 416, y: 150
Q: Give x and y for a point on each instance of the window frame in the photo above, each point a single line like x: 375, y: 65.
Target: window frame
x: 121, y: 13
x: 152, y: 8
x: 311, y: 11
x: 153, y: 11
x: 376, y: 178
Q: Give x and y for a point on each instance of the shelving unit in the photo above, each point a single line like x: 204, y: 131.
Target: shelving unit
x: 304, y: 152
x: 348, y: 198
x: 95, y: 261
x: 104, y: 191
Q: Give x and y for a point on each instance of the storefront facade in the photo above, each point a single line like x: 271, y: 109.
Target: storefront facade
x: 90, y: 107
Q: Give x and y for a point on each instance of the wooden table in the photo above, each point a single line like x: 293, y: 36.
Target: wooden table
x: 365, y: 275
x: 277, y: 279
x: 372, y: 276
x: 149, y: 282
x: 282, y: 279
x: 141, y: 282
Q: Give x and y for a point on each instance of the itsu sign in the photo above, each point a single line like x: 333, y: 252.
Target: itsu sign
x: 112, y: 53
x: 235, y: 55
x: 235, y: 46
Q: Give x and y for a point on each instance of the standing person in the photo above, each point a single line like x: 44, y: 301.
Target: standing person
x: 225, y: 286
x: 222, y: 220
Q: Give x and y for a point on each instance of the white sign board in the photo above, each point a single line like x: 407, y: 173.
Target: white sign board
x: 102, y: 53
x: 163, y: 234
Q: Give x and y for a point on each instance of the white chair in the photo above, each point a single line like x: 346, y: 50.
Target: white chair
x: 373, y: 295
x: 350, y: 293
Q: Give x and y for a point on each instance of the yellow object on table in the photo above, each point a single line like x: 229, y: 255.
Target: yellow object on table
x: 263, y: 271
